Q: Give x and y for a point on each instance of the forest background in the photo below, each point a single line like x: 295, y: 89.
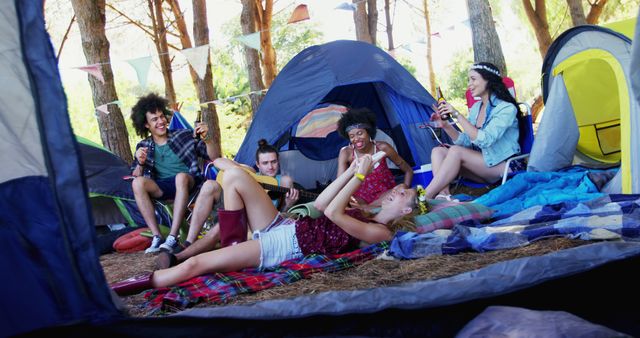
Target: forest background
x: 446, y: 27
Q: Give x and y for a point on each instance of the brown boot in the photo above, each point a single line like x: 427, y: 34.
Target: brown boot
x: 132, y: 285
x: 233, y: 226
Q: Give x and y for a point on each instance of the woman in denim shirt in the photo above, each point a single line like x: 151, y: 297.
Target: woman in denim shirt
x: 489, y: 136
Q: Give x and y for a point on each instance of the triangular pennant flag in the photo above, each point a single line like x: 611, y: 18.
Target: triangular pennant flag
x: 300, y: 13
x: 467, y: 23
x: 197, y: 58
x: 436, y: 35
x: 94, y: 70
x: 407, y: 48
x: 141, y: 66
x: 251, y: 40
x: 103, y: 108
x: 346, y: 6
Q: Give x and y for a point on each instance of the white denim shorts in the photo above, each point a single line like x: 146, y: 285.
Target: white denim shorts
x: 278, y: 242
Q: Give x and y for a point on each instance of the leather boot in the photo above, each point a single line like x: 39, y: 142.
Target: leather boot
x: 132, y: 285
x: 233, y: 226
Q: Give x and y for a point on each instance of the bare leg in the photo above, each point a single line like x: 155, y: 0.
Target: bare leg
x: 240, y: 190
x: 208, y: 196
x: 456, y: 159
x: 144, y: 189
x: 184, y: 182
x: 231, y: 258
x: 438, y: 154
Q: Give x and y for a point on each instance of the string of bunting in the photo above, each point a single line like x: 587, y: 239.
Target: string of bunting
x: 197, y: 56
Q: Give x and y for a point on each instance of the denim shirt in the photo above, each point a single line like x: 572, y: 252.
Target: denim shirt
x: 498, y: 136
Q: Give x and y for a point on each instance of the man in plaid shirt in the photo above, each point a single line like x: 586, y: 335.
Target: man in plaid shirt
x: 166, y: 165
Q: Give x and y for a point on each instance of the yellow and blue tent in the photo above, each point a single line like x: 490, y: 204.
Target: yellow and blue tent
x: 590, y: 114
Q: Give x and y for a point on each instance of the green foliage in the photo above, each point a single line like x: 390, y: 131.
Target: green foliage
x: 406, y: 63
x: 458, y: 75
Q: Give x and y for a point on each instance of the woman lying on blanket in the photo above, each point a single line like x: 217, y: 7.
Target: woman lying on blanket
x: 489, y: 136
x: 276, y: 239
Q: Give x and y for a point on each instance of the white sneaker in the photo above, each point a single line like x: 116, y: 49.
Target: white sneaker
x: 155, y: 245
x: 170, y: 244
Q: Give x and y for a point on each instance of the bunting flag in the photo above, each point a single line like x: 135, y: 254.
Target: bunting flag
x: 467, y: 23
x: 141, y: 66
x: 346, y: 6
x: 300, y: 13
x: 94, y: 70
x: 104, y: 107
x: 250, y: 40
x: 436, y: 35
x: 197, y: 58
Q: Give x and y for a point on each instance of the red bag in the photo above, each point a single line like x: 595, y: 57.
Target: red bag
x: 132, y: 241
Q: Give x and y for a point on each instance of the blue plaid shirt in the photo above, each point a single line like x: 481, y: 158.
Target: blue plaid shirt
x: 182, y: 144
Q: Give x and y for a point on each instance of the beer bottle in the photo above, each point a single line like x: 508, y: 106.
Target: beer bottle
x: 195, y: 124
x: 441, y: 100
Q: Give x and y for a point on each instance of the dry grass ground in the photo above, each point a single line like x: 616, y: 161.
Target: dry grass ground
x: 376, y: 273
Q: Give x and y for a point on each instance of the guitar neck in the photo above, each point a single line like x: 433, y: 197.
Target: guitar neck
x: 285, y: 190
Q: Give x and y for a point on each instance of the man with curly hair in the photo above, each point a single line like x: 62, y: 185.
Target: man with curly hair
x: 166, y: 165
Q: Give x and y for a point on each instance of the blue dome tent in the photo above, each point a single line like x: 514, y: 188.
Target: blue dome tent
x: 350, y: 73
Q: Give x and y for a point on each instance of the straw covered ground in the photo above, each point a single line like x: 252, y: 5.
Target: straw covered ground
x: 375, y: 273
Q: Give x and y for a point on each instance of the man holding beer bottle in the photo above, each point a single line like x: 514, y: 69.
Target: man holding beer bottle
x: 165, y: 165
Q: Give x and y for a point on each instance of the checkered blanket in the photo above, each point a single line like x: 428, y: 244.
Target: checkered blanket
x: 220, y: 288
x: 613, y: 217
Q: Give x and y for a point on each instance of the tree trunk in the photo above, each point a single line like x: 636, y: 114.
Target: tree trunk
x: 361, y: 20
x: 268, y: 53
x: 251, y: 56
x: 538, y: 19
x: 185, y: 39
x: 596, y: 9
x: 90, y: 16
x: 160, y: 40
x: 205, y: 86
x: 486, y: 43
x: 387, y: 16
x: 372, y: 16
x: 577, y: 13
x: 432, y: 75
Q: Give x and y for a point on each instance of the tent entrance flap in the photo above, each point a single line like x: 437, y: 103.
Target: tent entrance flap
x: 597, y: 105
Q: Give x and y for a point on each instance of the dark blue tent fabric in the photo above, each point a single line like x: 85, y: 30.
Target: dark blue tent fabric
x: 351, y: 72
x: 51, y: 270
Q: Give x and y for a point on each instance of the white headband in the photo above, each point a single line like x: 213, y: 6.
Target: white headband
x: 488, y: 69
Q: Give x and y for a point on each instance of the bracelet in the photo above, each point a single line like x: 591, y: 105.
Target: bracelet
x: 359, y: 176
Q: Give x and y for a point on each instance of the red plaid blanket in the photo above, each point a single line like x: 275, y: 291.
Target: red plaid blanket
x: 219, y: 288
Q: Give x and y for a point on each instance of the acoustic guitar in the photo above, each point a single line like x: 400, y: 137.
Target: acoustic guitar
x: 271, y: 184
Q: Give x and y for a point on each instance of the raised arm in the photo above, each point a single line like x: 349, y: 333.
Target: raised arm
x: 323, y: 200
x: 335, y: 211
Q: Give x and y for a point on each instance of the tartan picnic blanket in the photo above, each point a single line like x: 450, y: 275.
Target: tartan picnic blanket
x: 220, y: 288
x: 612, y: 217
